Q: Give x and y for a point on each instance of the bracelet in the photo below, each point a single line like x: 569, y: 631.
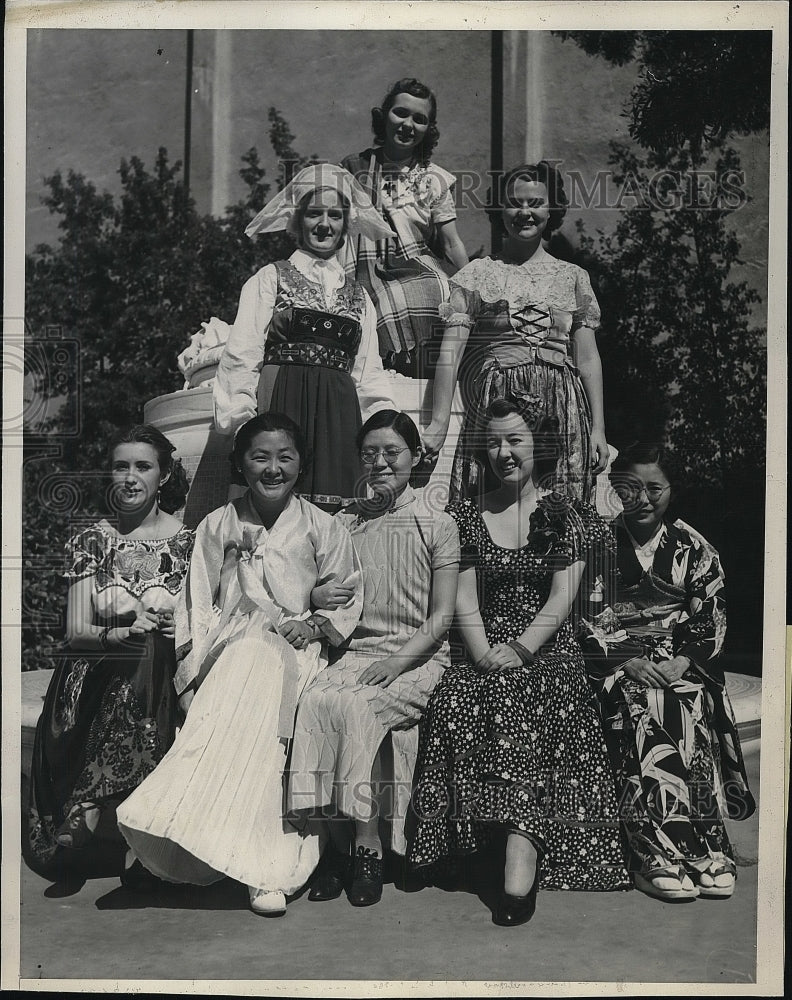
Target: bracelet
x: 103, y: 637
x: 526, y: 656
x: 316, y: 626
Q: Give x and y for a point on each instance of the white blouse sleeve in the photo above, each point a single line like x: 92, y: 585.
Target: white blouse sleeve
x: 373, y: 384
x: 236, y: 383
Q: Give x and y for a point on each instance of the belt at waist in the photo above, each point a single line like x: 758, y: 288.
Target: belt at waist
x: 306, y: 353
x: 514, y: 355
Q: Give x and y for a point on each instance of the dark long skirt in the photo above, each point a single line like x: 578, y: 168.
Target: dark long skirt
x: 520, y: 749
x: 323, y: 401
x: 107, y: 721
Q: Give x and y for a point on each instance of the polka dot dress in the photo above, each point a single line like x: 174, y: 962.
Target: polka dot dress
x: 521, y: 748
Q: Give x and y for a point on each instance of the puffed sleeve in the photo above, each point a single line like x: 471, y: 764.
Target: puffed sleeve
x: 462, y: 306
x: 463, y: 514
x: 336, y: 560
x: 440, y: 185
x: 84, y: 552
x: 588, y: 311
x: 701, y: 636
x: 373, y: 384
x: 236, y: 382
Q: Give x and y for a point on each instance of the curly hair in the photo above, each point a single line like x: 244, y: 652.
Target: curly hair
x: 545, y: 431
x: 173, y: 491
x: 408, y: 85
x: 500, y: 194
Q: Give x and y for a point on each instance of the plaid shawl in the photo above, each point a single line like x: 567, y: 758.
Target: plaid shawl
x: 401, y: 274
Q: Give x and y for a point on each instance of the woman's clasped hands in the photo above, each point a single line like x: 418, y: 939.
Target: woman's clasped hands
x: 499, y: 657
x: 153, y: 621
x: 661, y: 674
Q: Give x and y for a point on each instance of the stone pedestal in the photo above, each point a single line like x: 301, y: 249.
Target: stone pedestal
x: 185, y: 418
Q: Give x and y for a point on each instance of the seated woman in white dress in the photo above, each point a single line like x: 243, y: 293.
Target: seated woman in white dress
x: 409, y: 557
x: 214, y: 806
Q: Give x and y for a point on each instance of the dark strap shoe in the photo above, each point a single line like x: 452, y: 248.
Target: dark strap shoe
x: 366, y: 887
x: 332, y: 875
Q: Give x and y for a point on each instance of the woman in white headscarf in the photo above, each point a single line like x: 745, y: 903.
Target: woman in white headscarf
x: 304, y: 341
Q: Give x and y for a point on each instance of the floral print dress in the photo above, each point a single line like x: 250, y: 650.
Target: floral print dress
x: 675, y: 751
x: 108, y: 718
x: 521, y: 748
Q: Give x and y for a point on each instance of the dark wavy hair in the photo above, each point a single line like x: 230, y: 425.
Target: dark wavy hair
x: 408, y: 85
x: 268, y: 422
x: 546, y: 441
x: 499, y: 195
x: 173, y: 491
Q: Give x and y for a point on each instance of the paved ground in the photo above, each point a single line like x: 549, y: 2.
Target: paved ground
x: 100, y: 930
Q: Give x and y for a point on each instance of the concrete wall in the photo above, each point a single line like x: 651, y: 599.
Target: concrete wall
x: 96, y: 96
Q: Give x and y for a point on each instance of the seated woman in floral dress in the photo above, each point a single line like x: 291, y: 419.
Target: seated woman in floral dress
x: 409, y: 557
x: 110, y: 712
x: 668, y: 720
x: 511, y: 740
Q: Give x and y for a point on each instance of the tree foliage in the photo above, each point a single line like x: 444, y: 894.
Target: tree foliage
x: 693, y: 86
x: 130, y: 279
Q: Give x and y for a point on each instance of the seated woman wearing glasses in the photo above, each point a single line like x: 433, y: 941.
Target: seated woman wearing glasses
x: 409, y: 556
x: 668, y: 721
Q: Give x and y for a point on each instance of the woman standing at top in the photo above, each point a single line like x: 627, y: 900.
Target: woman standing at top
x: 304, y: 340
x: 523, y: 323
x: 404, y: 274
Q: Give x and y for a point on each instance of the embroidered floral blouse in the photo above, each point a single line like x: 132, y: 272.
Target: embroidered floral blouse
x: 130, y: 574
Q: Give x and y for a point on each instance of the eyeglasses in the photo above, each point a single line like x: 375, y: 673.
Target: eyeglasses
x: 368, y: 456
x: 630, y: 492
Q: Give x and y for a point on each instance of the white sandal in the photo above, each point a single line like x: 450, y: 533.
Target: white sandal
x: 717, y: 882
x: 667, y: 884
x: 267, y: 903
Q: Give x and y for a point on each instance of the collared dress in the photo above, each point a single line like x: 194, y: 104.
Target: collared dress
x: 404, y: 275
x: 675, y: 750
x: 215, y: 804
x: 523, y: 318
x: 108, y: 718
x: 341, y: 723
x: 304, y: 343
x: 521, y: 749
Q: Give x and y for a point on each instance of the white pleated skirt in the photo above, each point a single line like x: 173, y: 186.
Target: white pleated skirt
x: 214, y: 806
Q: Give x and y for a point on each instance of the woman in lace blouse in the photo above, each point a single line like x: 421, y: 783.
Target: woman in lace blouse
x: 523, y: 324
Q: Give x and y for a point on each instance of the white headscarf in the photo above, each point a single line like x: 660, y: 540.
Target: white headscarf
x: 363, y: 217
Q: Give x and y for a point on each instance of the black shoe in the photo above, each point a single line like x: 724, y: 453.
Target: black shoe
x: 366, y: 887
x: 331, y: 876
x: 511, y: 911
x: 139, y: 879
